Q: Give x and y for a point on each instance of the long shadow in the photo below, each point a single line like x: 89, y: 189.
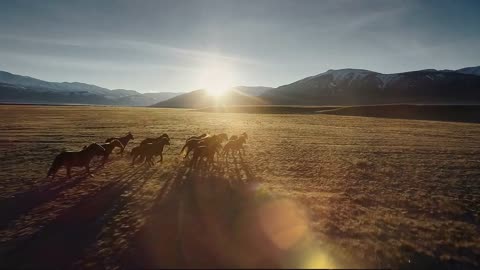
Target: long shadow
x: 13, y: 207
x: 60, y: 243
x: 202, y: 220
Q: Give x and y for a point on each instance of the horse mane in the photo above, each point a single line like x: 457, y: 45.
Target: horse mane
x: 116, y: 141
x: 93, y: 145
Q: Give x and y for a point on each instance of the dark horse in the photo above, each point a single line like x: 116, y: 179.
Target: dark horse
x: 154, y: 140
x: 192, y: 143
x: 235, y: 145
x: 109, y: 148
x: 206, y: 151
x: 149, y: 150
x: 124, y: 140
x: 71, y: 159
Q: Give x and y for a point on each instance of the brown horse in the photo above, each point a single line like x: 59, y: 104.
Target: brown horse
x: 192, y: 144
x: 204, y: 135
x: 235, y: 145
x: 149, y: 150
x: 71, y: 159
x: 109, y: 148
x: 154, y: 140
x: 205, y: 152
x: 124, y: 140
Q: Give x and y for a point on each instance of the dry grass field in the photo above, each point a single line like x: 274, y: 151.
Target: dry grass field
x: 311, y: 191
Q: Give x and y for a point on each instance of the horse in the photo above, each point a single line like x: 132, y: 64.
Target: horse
x: 205, y: 151
x: 71, y: 159
x: 191, y: 144
x: 149, y: 150
x: 235, y: 146
x: 124, y: 140
x: 204, y: 135
x: 109, y: 148
x: 154, y: 140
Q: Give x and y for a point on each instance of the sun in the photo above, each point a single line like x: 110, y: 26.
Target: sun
x: 218, y: 88
x: 216, y: 79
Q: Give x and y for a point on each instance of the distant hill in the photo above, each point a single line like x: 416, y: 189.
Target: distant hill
x: 358, y: 86
x: 16, y: 88
x: 470, y: 70
x: 201, y: 99
x: 343, y: 87
x: 252, y: 90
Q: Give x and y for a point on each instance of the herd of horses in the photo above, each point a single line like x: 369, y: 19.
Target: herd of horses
x: 204, y: 149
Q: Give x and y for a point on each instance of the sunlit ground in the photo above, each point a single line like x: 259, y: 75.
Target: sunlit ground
x: 389, y: 192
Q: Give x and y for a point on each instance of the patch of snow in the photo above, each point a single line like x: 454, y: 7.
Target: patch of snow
x: 385, y: 79
x: 346, y: 74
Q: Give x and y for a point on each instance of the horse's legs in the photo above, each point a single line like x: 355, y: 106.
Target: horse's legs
x: 105, y: 158
x: 54, y: 172
x: 133, y: 159
x: 148, y: 160
x: 194, y: 161
x: 188, y: 152
x: 161, y: 157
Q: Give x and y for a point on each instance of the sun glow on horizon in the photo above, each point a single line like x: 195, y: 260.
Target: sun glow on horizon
x: 216, y: 78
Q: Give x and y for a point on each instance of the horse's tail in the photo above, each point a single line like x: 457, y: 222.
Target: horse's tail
x: 57, y: 162
x: 183, y: 148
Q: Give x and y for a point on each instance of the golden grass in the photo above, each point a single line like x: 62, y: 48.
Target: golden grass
x: 386, y: 191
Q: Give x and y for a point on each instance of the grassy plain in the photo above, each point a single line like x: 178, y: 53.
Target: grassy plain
x: 312, y: 191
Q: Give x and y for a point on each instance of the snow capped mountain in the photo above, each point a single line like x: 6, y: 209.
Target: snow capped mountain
x: 358, y: 86
x: 346, y: 74
x: 17, y: 88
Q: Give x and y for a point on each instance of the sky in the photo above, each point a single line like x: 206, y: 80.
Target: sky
x: 179, y: 45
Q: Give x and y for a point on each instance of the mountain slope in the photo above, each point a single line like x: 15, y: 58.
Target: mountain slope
x: 357, y: 86
x: 17, y: 88
x: 470, y: 70
x: 252, y: 90
x: 201, y: 99
x: 10, y: 93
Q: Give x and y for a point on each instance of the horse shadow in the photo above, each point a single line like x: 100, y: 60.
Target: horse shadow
x: 66, y: 237
x: 206, y: 219
x: 14, y: 206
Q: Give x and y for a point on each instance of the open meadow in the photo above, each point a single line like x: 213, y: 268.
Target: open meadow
x: 311, y: 191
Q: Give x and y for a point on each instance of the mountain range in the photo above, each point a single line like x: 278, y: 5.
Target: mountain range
x: 241, y: 95
x: 23, y: 89
x: 333, y: 87
x: 360, y: 87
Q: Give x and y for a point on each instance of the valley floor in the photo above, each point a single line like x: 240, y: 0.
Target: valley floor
x: 311, y: 191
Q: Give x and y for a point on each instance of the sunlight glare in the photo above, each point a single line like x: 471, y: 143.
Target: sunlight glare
x: 216, y: 79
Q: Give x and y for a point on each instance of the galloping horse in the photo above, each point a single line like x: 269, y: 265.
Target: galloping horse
x: 71, y: 159
x: 154, y: 140
x: 204, y: 135
x: 205, y: 151
x: 149, y: 150
x: 109, y: 148
x: 192, y: 144
x: 235, y: 145
x: 124, y: 140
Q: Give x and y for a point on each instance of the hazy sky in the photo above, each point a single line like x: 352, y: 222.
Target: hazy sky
x: 183, y: 45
